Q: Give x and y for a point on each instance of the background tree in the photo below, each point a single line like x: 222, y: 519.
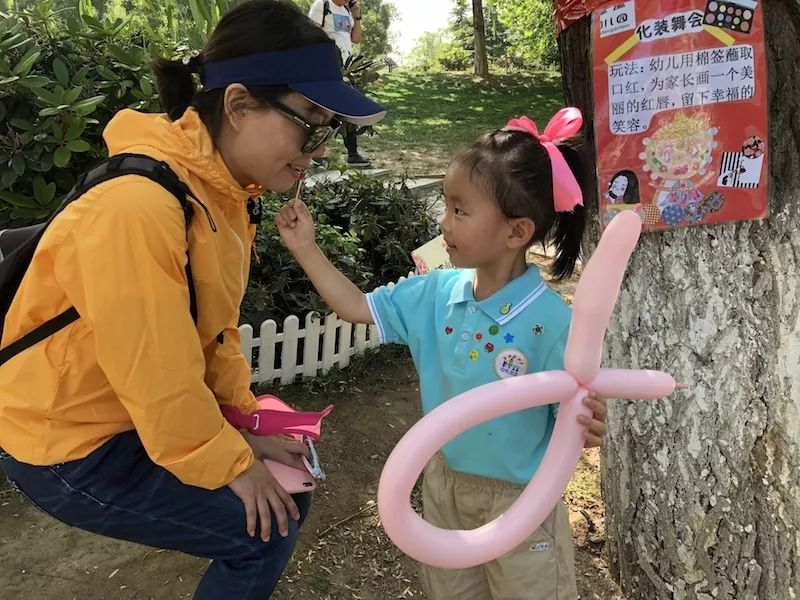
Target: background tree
x: 528, y: 32
x: 377, y: 19
x: 519, y: 35
x: 702, y: 490
x: 481, y: 60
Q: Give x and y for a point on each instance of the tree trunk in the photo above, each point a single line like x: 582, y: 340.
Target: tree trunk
x: 481, y: 62
x: 702, y: 490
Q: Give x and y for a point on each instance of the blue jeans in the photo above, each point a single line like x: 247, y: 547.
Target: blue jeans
x: 118, y: 492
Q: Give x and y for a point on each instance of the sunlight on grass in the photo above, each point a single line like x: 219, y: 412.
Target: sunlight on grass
x: 434, y: 114
x: 435, y: 121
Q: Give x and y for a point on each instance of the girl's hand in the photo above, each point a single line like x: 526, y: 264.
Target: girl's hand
x: 596, y: 424
x: 296, y: 226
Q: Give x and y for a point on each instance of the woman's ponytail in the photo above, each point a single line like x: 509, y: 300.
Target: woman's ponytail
x: 176, y: 86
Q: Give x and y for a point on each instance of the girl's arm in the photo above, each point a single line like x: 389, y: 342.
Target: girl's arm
x: 296, y: 227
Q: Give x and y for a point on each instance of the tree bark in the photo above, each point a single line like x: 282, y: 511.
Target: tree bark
x: 481, y: 61
x: 702, y: 490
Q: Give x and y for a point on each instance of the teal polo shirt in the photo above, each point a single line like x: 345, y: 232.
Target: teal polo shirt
x: 458, y: 343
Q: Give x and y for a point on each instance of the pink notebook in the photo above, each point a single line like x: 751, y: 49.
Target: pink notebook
x: 292, y: 480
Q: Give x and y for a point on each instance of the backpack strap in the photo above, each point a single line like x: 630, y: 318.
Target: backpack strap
x: 326, y: 10
x: 43, y: 331
x: 115, y: 166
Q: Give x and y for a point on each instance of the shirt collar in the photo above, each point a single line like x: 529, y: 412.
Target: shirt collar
x: 507, y: 303
x: 462, y: 289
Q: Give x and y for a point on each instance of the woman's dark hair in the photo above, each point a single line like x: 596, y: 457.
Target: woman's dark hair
x: 631, y: 195
x: 515, y: 169
x: 250, y: 28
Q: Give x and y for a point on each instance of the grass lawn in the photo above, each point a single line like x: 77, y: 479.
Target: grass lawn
x: 432, y: 115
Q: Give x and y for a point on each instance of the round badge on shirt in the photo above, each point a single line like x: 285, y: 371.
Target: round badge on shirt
x: 510, y: 362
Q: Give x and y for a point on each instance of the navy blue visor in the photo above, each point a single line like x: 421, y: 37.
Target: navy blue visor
x: 312, y: 71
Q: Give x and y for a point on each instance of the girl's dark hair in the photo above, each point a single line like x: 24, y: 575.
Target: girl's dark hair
x: 250, y: 28
x: 515, y: 169
x: 631, y: 195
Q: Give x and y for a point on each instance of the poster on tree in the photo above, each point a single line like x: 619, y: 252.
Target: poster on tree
x: 680, y: 111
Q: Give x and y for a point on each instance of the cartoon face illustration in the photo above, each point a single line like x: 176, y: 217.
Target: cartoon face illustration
x: 623, y: 188
x: 680, y: 149
x: 678, y: 155
x: 618, y: 186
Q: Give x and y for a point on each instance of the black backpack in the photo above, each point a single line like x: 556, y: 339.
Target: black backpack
x: 18, y: 245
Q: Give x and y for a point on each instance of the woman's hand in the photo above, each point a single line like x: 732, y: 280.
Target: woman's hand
x: 282, y: 449
x: 259, y: 491
x: 296, y: 226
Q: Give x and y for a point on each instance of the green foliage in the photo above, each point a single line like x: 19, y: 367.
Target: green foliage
x: 453, y: 48
x: 428, y: 49
x: 377, y: 16
x: 62, y: 77
x: 454, y: 58
x: 519, y: 35
x: 175, y: 20
x: 529, y: 32
x: 461, y: 25
x: 387, y: 218
x: 362, y: 73
x: 366, y: 227
x: 455, y: 109
x: 278, y: 287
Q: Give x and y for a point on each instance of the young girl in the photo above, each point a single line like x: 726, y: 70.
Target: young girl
x: 495, y: 318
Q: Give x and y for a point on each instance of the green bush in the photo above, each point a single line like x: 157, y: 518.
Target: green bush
x: 368, y: 229
x: 455, y: 58
x: 387, y: 218
x: 63, y: 75
x: 61, y: 80
x: 278, y: 287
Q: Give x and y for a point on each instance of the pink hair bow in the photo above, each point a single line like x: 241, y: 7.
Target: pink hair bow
x: 564, y: 124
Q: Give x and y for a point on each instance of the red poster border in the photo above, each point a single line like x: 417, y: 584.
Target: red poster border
x: 676, y: 198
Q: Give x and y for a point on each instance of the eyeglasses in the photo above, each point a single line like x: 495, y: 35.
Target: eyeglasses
x: 317, y: 134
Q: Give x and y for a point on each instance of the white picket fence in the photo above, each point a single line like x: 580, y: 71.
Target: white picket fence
x: 327, y: 342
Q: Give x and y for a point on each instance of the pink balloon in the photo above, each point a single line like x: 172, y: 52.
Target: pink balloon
x: 597, y: 294
x: 594, y: 301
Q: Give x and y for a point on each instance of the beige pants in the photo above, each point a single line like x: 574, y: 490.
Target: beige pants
x: 541, y: 568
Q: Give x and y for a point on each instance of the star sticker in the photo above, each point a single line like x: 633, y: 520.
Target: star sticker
x: 508, y: 338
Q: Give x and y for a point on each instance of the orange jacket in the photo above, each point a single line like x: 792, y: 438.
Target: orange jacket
x: 135, y: 359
